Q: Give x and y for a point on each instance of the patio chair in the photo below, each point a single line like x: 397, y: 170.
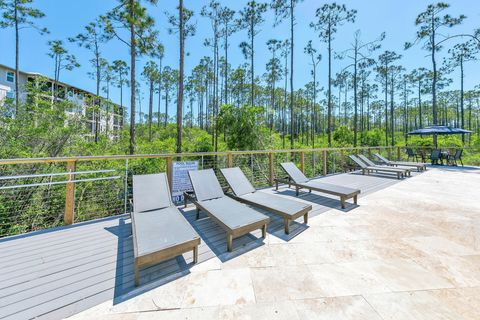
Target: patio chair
x: 233, y: 216
x: 436, y: 156
x: 300, y: 181
x: 366, y: 169
x: 419, y: 165
x: 243, y: 191
x: 160, y: 231
x: 452, y: 159
x: 412, y: 154
x: 373, y: 164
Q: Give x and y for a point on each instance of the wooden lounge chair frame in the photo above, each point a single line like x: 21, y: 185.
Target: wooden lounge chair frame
x: 370, y: 163
x: 231, y: 233
x: 298, y: 185
x: 287, y: 218
x: 365, y: 169
x: 419, y: 165
x: 162, y: 254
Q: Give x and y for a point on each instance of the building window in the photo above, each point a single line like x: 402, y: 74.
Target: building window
x: 10, y: 95
x: 10, y: 76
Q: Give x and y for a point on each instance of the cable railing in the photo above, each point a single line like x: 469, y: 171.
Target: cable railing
x: 40, y: 193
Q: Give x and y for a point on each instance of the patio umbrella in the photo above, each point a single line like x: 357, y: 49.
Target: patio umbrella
x: 438, y: 130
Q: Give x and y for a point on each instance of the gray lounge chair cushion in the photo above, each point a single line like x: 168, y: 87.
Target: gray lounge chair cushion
x: 409, y: 164
x: 358, y: 161
x: 232, y: 213
x: 332, y: 188
x: 404, y: 163
x: 205, y: 184
x: 375, y: 168
x: 160, y: 229
x: 367, y: 161
x: 295, y: 174
x: 237, y: 180
x: 287, y: 206
x: 151, y: 192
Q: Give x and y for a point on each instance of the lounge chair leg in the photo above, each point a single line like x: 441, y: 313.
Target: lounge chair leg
x: 184, y: 201
x: 355, y: 197
x: 195, y: 254
x: 296, y: 190
x: 305, y: 218
x: 286, y: 224
x: 229, y: 242
x: 276, y: 184
x: 136, y: 275
x: 342, y: 202
x: 264, y: 231
x: 198, y: 213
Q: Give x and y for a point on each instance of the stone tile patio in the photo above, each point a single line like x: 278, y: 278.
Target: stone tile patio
x: 410, y: 251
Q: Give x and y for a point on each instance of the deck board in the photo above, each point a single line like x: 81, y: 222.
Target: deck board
x: 59, y: 272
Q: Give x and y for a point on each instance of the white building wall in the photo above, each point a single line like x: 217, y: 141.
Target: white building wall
x: 7, y: 88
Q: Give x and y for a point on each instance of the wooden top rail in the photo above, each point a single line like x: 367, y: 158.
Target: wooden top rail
x: 173, y: 155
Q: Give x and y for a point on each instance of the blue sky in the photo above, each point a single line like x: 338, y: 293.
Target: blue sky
x: 65, y: 18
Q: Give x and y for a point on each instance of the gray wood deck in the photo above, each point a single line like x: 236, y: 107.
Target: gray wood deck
x: 58, y: 272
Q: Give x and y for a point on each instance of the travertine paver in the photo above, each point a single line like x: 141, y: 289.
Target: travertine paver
x: 411, y: 251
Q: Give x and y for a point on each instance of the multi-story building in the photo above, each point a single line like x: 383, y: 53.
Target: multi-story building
x: 111, y: 115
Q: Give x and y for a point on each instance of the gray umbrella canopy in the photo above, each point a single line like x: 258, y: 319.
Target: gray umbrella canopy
x: 438, y: 130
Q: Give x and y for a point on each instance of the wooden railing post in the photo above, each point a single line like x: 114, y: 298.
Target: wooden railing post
x: 342, y: 158
x: 302, y: 161
x: 68, y: 216
x: 271, y: 173
x: 398, y: 153
x: 325, y: 164
x: 169, y: 171
x: 229, y: 160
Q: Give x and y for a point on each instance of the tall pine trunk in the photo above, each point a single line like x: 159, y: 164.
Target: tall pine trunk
x: 292, y: 19
x: 355, y: 100
x: 132, y: 76
x: 159, y: 92
x: 462, y: 112
x: 180, y: 80
x: 329, y: 104
x: 150, y: 110
x: 17, y: 67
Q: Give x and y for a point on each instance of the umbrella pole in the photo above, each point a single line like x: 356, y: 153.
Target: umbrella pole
x: 435, y: 141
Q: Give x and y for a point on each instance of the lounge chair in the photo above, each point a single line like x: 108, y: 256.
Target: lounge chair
x: 234, y: 217
x: 366, y: 169
x: 300, y: 181
x: 419, y: 165
x: 160, y: 231
x: 243, y: 191
x: 452, y: 160
x: 408, y: 170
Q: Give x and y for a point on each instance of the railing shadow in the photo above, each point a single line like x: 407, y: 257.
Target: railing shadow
x: 59, y: 228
